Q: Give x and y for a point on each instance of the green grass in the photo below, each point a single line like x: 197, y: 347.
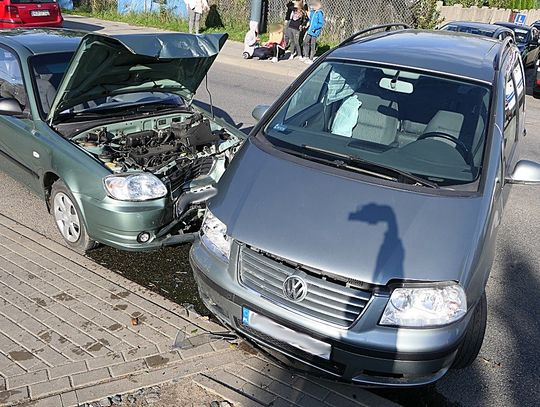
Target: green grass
x: 164, y: 21
x: 168, y: 21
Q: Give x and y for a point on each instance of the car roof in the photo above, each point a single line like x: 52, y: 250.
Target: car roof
x: 447, y: 52
x: 512, y: 25
x: 42, y: 40
x: 475, y: 24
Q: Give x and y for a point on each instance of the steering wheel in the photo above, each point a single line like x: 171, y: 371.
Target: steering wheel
x: 460, y: 146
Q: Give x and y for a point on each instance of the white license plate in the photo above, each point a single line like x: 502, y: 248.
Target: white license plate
x: 40, y: 13
x: 299, y: 340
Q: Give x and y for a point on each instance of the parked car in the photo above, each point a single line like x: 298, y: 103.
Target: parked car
x: 471, y: 27
x: 355, y: 230
x: 527, y: 41
x: 30, y: 13
x: 111, y: 140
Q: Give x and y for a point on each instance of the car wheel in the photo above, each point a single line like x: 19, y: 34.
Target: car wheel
x: 469, y: 348
x: 68, y: 219
x: 246, y: 55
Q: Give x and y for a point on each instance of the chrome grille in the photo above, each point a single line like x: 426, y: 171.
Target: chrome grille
x: 326, y: 301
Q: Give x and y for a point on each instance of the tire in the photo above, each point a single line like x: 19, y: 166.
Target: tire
x: 246, y: 55
x: 68, y: 219
x: 469, y: 348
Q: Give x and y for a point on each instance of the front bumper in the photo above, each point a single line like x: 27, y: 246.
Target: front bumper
x: 365, y: 353
x: 118, y: 224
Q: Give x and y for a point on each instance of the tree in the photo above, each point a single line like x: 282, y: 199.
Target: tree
x: 426, y: 14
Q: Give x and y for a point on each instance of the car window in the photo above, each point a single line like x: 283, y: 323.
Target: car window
x: 11, y: 81
x: 309, y: 94
x: 428, y: 125
x: 510, y: 115
x: 521, y: 34
x: 49, y: 69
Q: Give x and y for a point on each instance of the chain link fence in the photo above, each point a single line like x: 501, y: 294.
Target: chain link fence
x: 343, y: 17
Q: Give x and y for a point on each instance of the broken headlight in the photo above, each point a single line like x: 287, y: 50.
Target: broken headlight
x: 214, y: 236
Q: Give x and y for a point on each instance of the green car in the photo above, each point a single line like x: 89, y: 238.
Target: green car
x: 104, y: 129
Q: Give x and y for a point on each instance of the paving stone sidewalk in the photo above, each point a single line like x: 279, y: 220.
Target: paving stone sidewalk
x: 73, y: 332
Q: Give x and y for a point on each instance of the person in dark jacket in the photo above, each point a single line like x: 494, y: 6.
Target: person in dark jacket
x: 297, y: 21
x: 316, y: 24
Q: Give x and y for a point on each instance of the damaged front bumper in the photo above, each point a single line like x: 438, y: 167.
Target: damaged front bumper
x: 144, y: 226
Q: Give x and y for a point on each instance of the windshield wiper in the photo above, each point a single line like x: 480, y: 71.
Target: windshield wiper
x: 345, y: 161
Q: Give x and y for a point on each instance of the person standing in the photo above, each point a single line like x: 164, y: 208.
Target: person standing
x: 316, y: 24
x: 289, y: 9
x: 297, y: 21
x: 195, y: 9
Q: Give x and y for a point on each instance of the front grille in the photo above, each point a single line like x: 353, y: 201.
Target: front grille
x: 325, y: 300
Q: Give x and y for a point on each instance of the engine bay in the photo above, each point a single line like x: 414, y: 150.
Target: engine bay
x: 186, y: 151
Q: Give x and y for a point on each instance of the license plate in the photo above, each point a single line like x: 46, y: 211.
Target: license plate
x: 40, y: 13
x: 296, y: 339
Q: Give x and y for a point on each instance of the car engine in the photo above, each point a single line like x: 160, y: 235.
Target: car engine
x: 186, y: 153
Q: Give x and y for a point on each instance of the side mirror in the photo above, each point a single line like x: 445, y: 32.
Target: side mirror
x: 10, y: 107
x: 525, y: 172
x: 259, y: 111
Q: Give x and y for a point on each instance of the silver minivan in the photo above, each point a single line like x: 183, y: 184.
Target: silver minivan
x: 354, y: 231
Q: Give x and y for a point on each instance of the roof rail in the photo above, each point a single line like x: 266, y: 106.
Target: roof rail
x: 506, y: 43
x: 386, y: 27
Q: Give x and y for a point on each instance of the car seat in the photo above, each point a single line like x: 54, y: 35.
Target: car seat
x: 377, y: 120
x: 447, y: 122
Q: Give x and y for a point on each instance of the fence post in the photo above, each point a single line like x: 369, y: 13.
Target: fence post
x: 256, y: 12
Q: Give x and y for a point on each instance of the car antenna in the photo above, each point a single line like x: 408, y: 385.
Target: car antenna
x: 209, y: 96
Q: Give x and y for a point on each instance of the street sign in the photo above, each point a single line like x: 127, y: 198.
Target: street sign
x: 520, y: 18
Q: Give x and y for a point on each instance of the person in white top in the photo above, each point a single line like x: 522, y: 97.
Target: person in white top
x: 195, y: 9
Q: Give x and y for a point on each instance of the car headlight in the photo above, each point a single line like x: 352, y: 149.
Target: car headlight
x: 141, y: 186
x: 425, y: 306
x: 214, y: 236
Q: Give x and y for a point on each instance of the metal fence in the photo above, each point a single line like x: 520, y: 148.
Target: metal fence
x: 343, y: 17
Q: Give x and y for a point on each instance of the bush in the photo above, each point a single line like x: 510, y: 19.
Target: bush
x: 425, y: 13
x: 465, y: 3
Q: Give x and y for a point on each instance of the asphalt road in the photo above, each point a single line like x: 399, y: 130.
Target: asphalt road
x: 505, y: 373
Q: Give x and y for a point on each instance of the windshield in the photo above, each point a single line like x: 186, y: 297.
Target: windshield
x: 427, y: 126
x: 49, y: 69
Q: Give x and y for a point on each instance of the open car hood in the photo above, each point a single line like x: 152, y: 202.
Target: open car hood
x: 104, y: 66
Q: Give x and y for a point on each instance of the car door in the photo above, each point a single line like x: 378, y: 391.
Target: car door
x: 20, y: 149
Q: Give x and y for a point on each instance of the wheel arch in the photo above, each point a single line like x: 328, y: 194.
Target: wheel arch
x: 49, y: 178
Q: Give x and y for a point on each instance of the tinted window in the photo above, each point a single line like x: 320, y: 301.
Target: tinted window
x: 11, y: 82
x: 430, y: 126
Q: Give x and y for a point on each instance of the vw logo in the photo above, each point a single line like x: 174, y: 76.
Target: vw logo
x: 295, y: 288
